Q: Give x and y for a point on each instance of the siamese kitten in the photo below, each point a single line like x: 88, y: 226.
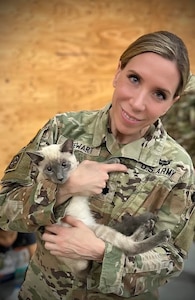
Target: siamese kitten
x: 55, y: 163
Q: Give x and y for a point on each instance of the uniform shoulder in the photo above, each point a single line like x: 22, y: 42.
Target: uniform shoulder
x: 78, y: 115
x: 178, y: 151
x: 179, y: 122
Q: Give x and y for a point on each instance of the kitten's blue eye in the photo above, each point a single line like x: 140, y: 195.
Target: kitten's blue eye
x: 49, y: 169
x: 64, y: 164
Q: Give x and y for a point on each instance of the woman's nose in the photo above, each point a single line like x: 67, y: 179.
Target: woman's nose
x: 138, y: 101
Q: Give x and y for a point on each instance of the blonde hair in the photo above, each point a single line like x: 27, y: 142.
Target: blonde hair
x: 165, y: 44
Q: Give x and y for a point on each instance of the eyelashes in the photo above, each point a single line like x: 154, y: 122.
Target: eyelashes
x: 161, y: 95
x: 136, y: 80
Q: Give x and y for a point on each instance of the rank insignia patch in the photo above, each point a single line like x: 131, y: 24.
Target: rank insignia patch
x: 14, y: 163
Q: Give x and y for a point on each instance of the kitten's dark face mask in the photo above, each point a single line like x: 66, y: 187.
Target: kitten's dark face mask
x: 57, y: 172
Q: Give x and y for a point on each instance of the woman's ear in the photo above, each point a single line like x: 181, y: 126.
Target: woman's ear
x: 116, y: 75
x: 176, y: 99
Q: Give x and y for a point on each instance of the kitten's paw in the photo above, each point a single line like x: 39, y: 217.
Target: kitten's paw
x: 148, y: 216
x: 145, y: 217
x: 149, y: 225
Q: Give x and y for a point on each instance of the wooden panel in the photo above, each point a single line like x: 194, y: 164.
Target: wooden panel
x: 61, y: 55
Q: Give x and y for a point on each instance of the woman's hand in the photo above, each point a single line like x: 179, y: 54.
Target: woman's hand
x: 76, y: 242
x: 89, y: 178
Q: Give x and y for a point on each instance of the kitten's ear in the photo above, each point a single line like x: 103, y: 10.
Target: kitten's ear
x: 36, y: 157
x: 67, y: 146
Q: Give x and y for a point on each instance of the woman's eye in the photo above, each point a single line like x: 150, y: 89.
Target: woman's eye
x: 160, y: 95
x: 133, y: 78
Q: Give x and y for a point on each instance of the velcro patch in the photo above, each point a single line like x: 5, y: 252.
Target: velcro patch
x: 14, y: 163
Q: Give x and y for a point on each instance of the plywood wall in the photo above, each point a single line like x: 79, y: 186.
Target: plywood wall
x: 61, y: 55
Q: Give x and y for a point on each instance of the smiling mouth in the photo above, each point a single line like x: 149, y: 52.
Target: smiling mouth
x: 129, y: 118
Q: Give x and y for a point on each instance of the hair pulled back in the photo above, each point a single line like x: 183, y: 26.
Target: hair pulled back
x: 165, y: 44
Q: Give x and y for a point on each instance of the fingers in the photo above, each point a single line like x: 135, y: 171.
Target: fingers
x: 115, y: 168
x: 56, y: 253
x: 56, y: 228
x: 108, y: 167
x: 50, y: 233
x: 51, y: 229
x: 88, y: 179
x: 50, y: 241
x: 72, y: 221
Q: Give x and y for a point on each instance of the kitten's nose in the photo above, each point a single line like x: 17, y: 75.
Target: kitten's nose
x: 60, y: 179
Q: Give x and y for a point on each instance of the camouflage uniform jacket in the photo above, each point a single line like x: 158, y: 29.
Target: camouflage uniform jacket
x: 179, y: 122
x: 160, y: 179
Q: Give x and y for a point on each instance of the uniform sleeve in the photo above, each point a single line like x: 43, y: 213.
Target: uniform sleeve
x: 24, y: 204
x: 130, y: 276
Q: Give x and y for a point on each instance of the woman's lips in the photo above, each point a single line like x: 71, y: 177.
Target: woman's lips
x: 129, y: 119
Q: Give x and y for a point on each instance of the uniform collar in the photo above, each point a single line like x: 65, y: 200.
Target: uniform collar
x: 100, y: 130
x: 147, y: 150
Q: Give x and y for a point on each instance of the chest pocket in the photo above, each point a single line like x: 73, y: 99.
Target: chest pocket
x: 133, y: 192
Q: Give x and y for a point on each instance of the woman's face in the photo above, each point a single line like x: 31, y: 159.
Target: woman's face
x: 144, y: 91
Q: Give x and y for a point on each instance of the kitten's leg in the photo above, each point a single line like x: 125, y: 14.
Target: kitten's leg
x: 143, y: 231
x: 150, y: 243
x: 129, y: 224
x: 127, y: 243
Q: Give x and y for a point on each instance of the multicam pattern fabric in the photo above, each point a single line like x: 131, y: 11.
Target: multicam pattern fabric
x: 180, y: 120
x: 159, y: 179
